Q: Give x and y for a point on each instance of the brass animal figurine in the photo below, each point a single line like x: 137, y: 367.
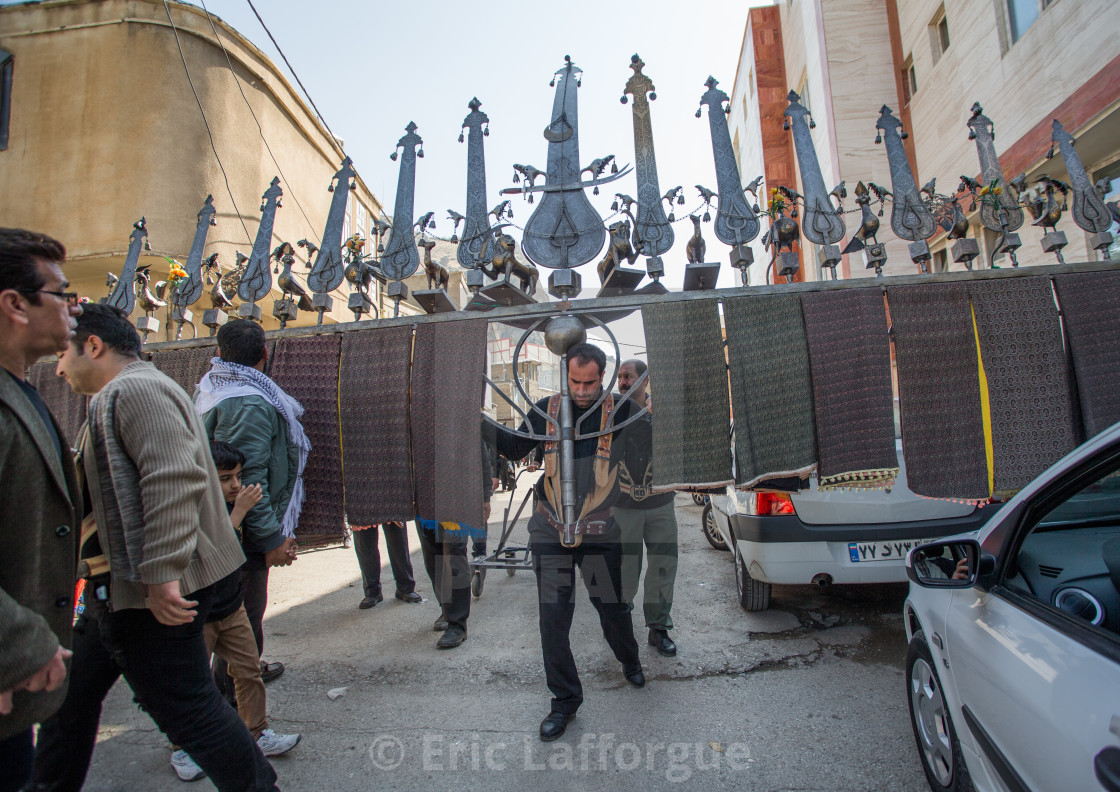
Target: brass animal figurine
x: 501, y: 212
x: 619, y: 249
x: 425, y: 222
x: 504, y: 263
x: 437, y: 274
x: 868, y: 225
x: 1043, y: 202
x: 285, y: 254
x: 225, y: 289
x: 694, y: 249
x: 148, y: 301
x: 675, y: 193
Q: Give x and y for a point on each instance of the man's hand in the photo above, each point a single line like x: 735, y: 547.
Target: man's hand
x: 49, y: 677
x: 532, y: 467
x: 495, y: 482
x: 486, y: 511
x: 168, y: 606
x: 282, y: 555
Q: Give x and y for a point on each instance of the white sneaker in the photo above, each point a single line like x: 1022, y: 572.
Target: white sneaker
x: 185, y: 767
x: 273, y: 744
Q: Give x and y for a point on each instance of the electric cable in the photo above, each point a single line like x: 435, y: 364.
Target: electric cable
x: 206, y: 123
x: 233, y: 72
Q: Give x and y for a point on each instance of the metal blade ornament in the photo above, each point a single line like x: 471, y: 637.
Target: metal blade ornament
x: 1089, y: 211
x: 189, y: 289
x: 736, y: 222
x: 476, y: 222
x: 821, y: 223
x: 328, y: 270
x: 123, y: 295
x: 910, y: 217
x: 257, y: 280
x: 565, y: 230
x: 653, y: 235
x: 401, y: 258
x: 1001, y: 211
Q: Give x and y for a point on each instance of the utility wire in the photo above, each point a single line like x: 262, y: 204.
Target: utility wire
x: 255, y: 119
x: 213, y: 148
x: 293, y: 71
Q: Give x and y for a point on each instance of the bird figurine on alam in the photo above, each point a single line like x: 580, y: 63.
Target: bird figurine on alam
x: 868, y: 225
x: 1043, y: 201
x: 285, y: 254
x: 354, y: 245
x: 148, y: 301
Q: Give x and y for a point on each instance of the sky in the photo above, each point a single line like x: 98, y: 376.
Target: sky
x: 372, y: 67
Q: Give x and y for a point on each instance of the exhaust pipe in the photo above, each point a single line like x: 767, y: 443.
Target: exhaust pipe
x: 822, y: 580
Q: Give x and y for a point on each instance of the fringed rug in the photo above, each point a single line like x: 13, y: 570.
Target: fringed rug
x: 373, y: 392
x: 850, y: 362
x: 1090, y: 304
x: 307, y: 369
x: 1028, y: 377
x: 448, y: 362
x: 942, y: 396
x: 185, y: 366
x: 688, y: 383
x: 67, y: 407
x: 771, y: 391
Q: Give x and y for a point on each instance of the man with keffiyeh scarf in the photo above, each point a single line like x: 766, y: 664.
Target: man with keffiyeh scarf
x: 241, y: 406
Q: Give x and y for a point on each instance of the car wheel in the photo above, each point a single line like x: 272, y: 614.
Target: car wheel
x: 711, y: 531
x: 754, y: 595
x: 938, y: 747
x: 698, y: 498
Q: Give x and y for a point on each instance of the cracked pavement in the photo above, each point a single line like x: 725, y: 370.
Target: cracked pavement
x: 806, y: 696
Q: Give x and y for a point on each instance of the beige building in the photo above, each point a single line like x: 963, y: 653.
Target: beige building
x: 102, y: 127
x: 1025, y: 61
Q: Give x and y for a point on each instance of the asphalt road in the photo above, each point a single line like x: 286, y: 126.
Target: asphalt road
x: 806, y: 696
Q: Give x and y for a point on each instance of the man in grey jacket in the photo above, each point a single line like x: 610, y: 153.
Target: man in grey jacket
x: 39, y: 500
x: 241, y: 406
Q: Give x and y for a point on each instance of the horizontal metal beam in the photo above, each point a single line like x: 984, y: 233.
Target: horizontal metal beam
x: 542, y: 310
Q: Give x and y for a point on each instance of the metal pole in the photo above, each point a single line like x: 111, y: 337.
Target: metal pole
x: 567, y: 455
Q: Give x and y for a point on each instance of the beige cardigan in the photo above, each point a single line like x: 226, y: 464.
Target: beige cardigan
x: 155, y: 491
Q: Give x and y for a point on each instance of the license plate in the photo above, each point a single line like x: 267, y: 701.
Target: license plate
x: 883, y: 551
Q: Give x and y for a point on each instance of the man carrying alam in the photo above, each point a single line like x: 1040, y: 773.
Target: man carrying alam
x: 40, y: 504
x: 595, y: 546
x: 242, y: 406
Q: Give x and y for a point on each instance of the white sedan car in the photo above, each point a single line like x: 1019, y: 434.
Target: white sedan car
x: 1013, y: 668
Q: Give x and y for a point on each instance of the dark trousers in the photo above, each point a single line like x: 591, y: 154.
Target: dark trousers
x: 601, y: 564
x: 369, y: 558
x: 169, y: 673
x: 15, y: 761
x: 447, y: 567
x: 254, y: 576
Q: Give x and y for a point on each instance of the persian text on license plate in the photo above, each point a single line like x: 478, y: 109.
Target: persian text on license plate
x: 883, y: 551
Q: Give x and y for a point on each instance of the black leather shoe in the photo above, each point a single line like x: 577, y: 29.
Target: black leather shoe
x: 270, y: 671
x: 451, y: 638
x: 440, y: 625
x: 554, y: 725
x: 635, y: 677
x: 369, y: 602
x: 412, y: 598
x: 660, y: 640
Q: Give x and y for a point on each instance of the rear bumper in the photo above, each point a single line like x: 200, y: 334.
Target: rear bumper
x: 789, y: 528
x: 784, y: 550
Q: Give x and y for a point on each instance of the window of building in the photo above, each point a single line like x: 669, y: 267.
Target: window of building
x: 803, y: 92
x: 735, y: 146
x: 750, y: 82
x: 1021, y: 14
x: 908, y: 79
x: 940, y: 262
x: 5, y: 96
x: 939, y: 33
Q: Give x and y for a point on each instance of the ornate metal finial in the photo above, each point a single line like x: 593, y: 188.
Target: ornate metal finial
x: 123, y: 295
x: 286, y: 309
x: 150, y: 302
x: 910, y: 218
x: 476, y: 225
x: 821, y: 223
x: 187, y: 291
x: 328, y: 270
x: 401, y: 258
x: 736, y: 221
x: 257, y: 280
x: 653, y: 235
x: 1046, y: 201
x: 1000, y: 211
x: 1089, y: 211
x: 565, y: 230
x: 864, y: 237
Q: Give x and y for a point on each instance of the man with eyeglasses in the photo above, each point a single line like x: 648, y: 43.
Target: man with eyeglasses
x: 40, y: 504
